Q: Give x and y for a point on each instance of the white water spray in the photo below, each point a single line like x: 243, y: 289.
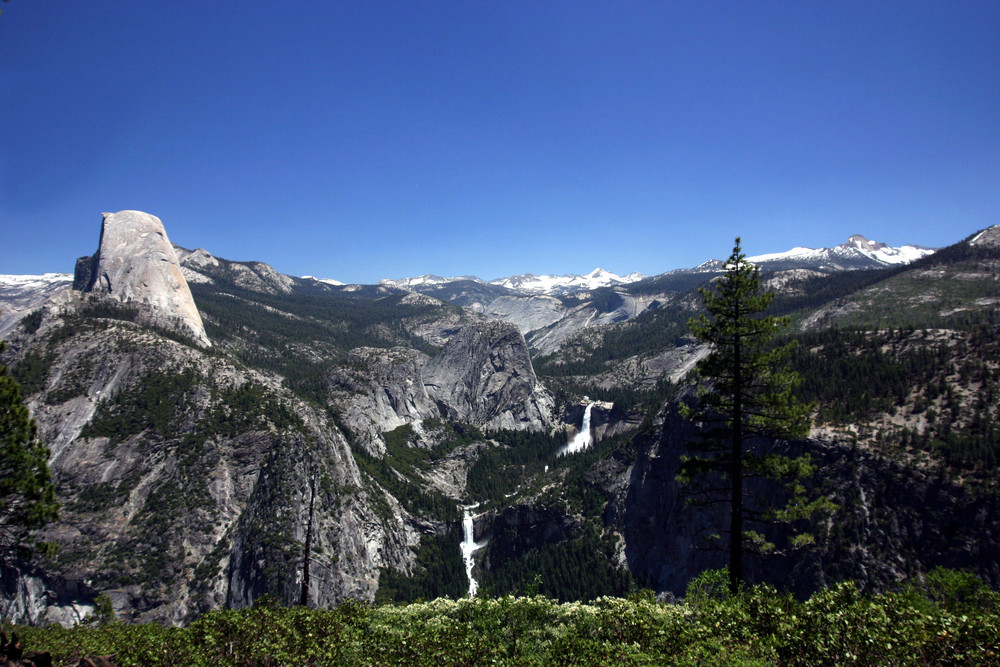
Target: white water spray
x: 581, y: 440
x: 469, y: 546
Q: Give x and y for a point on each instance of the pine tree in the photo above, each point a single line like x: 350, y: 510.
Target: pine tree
x: 748, y: 397
x: 27, y: 494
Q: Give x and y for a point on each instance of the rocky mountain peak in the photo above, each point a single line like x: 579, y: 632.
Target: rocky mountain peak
x: 860, y: 242
x: 136, y: 263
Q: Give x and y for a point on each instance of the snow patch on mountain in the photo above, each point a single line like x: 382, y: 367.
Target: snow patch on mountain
x: 19, y: 295
x: 327, y: 281
x: 427, y: 279
x: 527, y: 283
x: 35, y: 282
x: 597, y: 278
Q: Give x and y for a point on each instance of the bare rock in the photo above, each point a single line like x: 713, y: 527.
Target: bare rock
x: 529, y: 313
x: 378, y: 390
x: 484, y: 376
x: 136, y: 263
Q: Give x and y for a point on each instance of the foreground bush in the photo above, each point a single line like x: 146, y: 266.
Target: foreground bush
x: 957, y: 623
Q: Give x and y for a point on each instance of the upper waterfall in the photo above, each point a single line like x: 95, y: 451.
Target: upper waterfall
x: 583, y: 439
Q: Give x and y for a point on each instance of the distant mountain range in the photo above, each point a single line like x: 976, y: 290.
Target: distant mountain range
x: 527, y: 283
x: 21, y: 293
x: 857, y: 253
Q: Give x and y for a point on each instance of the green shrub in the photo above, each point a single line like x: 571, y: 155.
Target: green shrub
x: 758, y: 626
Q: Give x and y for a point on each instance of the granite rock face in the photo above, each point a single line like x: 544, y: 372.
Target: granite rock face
x: 188, y: 483
x: 894, y: 523
x: 989, y: 237
x: 484, y: 376
x: 529, y: 313
x: 378, y: 390
x: 136, y: 263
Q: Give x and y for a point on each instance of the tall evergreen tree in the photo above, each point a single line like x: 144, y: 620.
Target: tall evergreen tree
x: 748, y: 396
x: 27, y: 494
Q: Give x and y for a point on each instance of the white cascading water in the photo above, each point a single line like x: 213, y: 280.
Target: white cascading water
x: 581, y: 440
x: 469, y: 546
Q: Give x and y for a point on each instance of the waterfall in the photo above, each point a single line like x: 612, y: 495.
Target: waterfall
x: 583, y: 439
x: 469, y: 546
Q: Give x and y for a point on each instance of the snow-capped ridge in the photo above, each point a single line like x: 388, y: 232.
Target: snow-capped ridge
x: 426, y: 279
x: 857, y: 253
x: 327, y: 281
x: 527, y: 283
x: 551, y: 284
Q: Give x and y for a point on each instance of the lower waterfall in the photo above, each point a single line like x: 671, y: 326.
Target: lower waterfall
x: 469, y: 546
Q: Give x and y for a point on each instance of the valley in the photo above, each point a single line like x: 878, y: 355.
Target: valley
x: 216, y: 427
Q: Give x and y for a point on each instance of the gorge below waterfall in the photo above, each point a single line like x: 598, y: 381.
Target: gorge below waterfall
x: 580, y: 442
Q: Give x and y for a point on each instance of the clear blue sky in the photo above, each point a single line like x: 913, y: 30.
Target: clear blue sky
x: 365, y: 140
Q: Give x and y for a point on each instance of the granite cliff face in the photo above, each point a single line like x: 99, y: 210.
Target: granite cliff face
x: 894, y: 522
x: 379, y: 390
x: 188, y: 483
x: 192, y: 481
x: 135, y: 263
x: 484, y: 376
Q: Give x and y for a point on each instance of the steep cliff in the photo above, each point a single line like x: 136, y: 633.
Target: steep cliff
x: 190, y: 480
x: 484, y: 376
x: 135, y: 262
x: 194, y: 479
x: 894, y: 522
x: 340, y: 426
x: 378, y: 390
x: 187, y: 482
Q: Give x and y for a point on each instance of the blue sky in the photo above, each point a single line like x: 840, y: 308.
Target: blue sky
x: 365, y: 140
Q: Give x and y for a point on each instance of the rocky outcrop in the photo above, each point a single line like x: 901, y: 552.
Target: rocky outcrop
x: 136, y: 264
x: 894, y: 522
x: 601, y: 307
x: 989, y: 237
x: 484, y: 376
x: 186, y: 485
x: 200, y: 266
x: 379, y: 390
x: 194, y: 263
x: 21, y: 295
x: 529, y: 313
x: 29, y: 594
x: 308, y: 493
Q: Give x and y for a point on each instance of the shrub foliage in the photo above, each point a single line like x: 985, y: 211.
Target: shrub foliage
x: 953, y: 619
